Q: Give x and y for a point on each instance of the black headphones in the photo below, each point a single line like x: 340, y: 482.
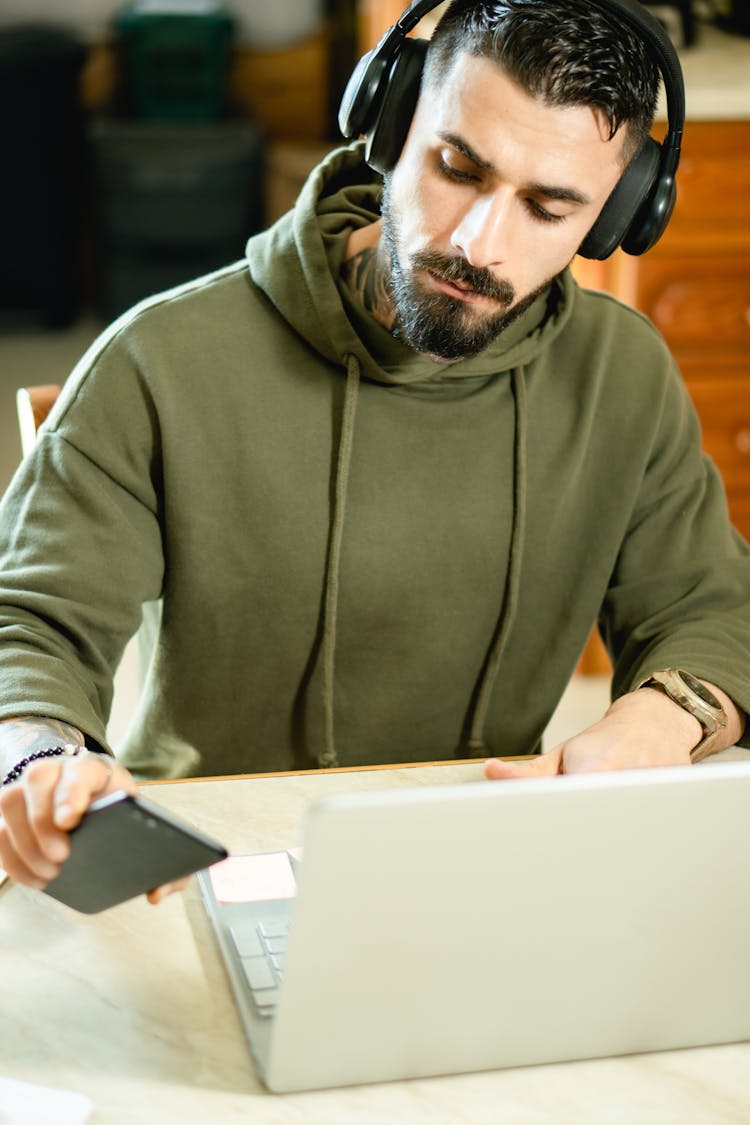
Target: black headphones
x: 381, y: 96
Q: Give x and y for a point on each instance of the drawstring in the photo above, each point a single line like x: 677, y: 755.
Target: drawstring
x: 476, y: 744
x: 328, y: 757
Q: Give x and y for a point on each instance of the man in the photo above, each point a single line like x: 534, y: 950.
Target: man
x: 385, y: 474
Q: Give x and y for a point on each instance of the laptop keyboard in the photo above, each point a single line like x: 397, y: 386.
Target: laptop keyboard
x: 261, y: 947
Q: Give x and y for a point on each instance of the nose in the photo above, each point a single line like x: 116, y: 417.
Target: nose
x: 482, y: 233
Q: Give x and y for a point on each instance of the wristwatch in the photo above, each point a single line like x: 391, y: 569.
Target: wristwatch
x: 693, y: 696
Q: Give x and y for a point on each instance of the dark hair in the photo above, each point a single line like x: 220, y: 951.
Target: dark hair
x: 564, y: 52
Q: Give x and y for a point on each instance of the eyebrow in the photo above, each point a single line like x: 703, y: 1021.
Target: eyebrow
x: 547, y: 191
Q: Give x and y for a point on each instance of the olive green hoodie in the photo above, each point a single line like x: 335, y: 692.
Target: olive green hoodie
x: 363, y: 556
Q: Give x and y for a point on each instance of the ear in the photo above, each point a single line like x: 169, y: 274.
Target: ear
x: 628, y: 202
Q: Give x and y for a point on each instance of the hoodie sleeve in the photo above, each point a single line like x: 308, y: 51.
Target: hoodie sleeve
x: 80, y: 546
x: 680, y: 592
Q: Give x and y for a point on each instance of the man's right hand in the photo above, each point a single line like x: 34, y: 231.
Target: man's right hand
x: 38, y: 810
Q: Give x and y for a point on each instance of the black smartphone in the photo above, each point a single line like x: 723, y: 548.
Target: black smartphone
x: 125, y: 846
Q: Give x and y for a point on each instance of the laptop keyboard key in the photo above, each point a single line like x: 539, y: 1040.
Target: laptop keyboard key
x: 245, y: 937
x: 274, y: 927
x: 258, y: 972
x: 267, y: 1000
x: 275, y: 945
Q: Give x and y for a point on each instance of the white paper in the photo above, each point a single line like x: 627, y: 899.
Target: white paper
x: 24, y: 1104
x: 253, y: 878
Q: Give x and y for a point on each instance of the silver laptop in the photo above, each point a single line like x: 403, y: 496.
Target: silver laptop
x: 497, y: 924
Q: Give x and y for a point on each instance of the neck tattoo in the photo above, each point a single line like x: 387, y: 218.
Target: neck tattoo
x: 367, y: 277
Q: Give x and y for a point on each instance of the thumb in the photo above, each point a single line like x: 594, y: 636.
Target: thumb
x: 543, y: 765
x: 87, y: 776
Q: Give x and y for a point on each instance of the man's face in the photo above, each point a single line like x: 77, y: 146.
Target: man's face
x: 489, y: 201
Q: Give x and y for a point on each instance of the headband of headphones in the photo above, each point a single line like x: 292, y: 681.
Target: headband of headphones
x: 381, y: 96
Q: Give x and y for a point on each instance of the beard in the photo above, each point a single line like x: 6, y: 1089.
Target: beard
x: 435, y: 323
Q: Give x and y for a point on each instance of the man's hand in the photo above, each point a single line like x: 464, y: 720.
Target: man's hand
x: 38, y: 810
x: 642, y: 728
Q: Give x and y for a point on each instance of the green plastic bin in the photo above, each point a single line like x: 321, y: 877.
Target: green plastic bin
x: 175, y: 59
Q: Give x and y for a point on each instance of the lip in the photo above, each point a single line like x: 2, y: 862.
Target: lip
x: 470, y: 296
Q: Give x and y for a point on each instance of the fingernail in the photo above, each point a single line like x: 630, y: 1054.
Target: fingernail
x: 64, y: 812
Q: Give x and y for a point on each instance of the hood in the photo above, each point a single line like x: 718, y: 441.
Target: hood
x: 302, y: 253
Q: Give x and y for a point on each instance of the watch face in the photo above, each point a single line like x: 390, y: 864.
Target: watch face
x: 700, y: 690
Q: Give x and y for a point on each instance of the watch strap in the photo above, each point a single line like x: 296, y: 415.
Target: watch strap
x: 688, y: 692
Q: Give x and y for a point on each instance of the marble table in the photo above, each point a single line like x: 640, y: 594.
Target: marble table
x: 131, y: 1007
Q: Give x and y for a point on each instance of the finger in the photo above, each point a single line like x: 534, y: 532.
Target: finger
x: 25, y: 847
x: 158, y: 894
x: 39, y: 784
x: 11, y: 861
x: 544, y: 765
x: 14, y: 866
x: 83, y: 778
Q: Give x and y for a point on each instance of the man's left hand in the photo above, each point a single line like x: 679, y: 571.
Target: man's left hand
x: 643, y: 728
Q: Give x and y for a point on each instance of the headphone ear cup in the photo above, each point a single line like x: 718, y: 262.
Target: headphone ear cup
x: 380, y: 98
x: 400, y: 94
x: 651, y: 221
x: 626, y: 205
x: 359, y: 102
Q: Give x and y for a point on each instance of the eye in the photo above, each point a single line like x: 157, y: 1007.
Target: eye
x: 542, y: 214
x: 458, y: 175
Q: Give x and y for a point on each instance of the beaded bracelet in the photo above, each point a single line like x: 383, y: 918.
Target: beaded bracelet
x: 54, y: 752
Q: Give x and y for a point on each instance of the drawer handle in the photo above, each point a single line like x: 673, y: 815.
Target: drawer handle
x: 742, y: 441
